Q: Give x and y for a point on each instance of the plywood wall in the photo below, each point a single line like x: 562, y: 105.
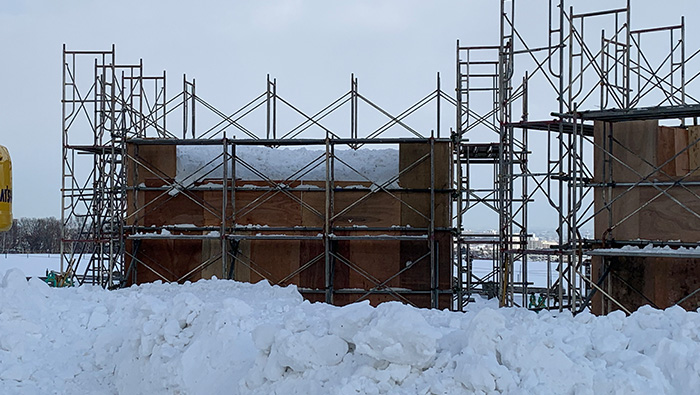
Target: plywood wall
x: 636, y: 282
x: 643, y: 151
x: 360, y: 264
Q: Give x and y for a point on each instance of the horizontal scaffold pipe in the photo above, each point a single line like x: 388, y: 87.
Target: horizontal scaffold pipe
x: 636, y: 114
x: 284, y: 142
x: 286, y: 187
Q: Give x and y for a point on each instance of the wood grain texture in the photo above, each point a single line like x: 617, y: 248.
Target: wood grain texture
x: 278, y: 258
x: 635, y: 281
x: 416, y: 171
x: 169, y: 259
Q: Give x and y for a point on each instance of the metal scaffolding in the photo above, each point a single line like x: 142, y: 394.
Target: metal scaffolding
x: 497, y: 171
x: 116, y: 107
x: 622, y: 79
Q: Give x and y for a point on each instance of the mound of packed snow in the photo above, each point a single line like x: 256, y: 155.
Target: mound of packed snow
x: 216, y: 337
x: 366, y: 164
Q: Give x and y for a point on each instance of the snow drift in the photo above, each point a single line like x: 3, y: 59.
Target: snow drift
x: 218, y: 337
x: 367, y: 164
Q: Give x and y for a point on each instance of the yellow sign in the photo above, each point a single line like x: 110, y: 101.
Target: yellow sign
x: 5, y: 190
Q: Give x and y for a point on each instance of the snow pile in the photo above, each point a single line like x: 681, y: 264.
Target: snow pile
x: 214, y: 337
x: 377, y: 165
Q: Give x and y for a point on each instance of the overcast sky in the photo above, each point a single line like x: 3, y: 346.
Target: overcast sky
x: 394, y: 47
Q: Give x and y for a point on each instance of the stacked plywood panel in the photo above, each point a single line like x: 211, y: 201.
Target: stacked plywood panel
x: 643, y: 151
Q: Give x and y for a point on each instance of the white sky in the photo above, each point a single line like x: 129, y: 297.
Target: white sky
x: 394, y: 47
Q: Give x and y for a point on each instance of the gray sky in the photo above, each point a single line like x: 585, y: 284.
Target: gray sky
x: 394, y: 47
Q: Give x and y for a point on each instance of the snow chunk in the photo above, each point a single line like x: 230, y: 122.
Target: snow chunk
x: 398, y: 334
x: 14, y: 279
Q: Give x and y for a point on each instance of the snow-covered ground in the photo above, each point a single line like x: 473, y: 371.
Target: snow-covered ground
x: 33, y: 265
x: 224, y: 337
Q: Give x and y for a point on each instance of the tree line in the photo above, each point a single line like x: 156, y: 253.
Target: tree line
x: 32, y: 235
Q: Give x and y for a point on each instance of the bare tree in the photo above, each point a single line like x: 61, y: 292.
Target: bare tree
x: 32, y: 235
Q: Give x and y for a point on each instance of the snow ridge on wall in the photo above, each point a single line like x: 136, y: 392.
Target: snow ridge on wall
x: 366, y: 164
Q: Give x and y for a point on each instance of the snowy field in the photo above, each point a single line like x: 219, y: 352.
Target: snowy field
x: 536, y: 271
x: 33, y: 265
x: 223, y: 337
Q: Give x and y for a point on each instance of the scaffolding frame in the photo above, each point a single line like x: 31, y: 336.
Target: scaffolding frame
x: 119, y: 103
x: 620, y: 78
x: 125, y: 112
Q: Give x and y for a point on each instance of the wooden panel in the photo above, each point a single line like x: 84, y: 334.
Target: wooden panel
x: 210, y: 249
x: 681, y: 160
x: 666, y: 141
x: 171, y: 210
x: 134, y: 201
x: 154, y: 161
x: 445, y: 259
x: 314, y: 276
x: 636, y: 281
x: 147, y: 164
x: 379, y: 260
x: 671, y: 148
x: 242, y: 264
x: 664, y: 219
x: 694, y: 152
x: 621, y: 209
x: 267, y: 208
x: 213, y: 206
x: 419, y: 175
x: 636, y: 152
x: 171, y: 259
x: 660, y: 218
x: 316, y: 202
x: 597, y: 300
x: 378, y: 210
x: 415, y: 209
x: 418, y: 277
x: 636, y: 148
x: 628, y: 280
x: 676, y: 279
x: 274, y: 259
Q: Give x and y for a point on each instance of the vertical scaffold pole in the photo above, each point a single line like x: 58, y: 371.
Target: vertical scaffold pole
x: 434, y: 273
x: 456, y: 152
x: 64, y: 137
x: 233, y: 206
x: 224, y: 196
x: 327, y: 225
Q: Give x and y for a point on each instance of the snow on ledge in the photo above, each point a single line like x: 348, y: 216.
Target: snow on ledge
x: 377, y: 165
x: 648, y: 251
